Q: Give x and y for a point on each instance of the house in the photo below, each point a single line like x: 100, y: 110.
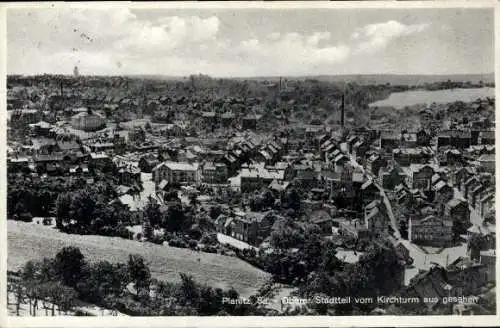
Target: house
x: 209, y: 118
x: 100, y: 160
x: 176, y: 172
x: 430, y: 230
x: 435, y: 179
x: 420, y: 176
x: 488, y: 259
x: 486, y: 202
x: 249, y: 122
x: 339, y: 162
x: 468, y: 185
x: 41, y: 129
x: 256, y: 177
x: 370, y: 191
x: 443, y: 193
x: 279, y: 188
x: 467, y: 275
x: 452, y: 157
x: 375, y: 163
x: 487, y: 162
x: 486, y: 138
x: 430, y: 285
x: 376, y: 222
x: 351, y: 141
x: 408, y: 140
x: 352, y: 229
x: 323, y: 220
x: 461, y: 175
x: 359, y: 149
x: 389, y: 139
x: 473, y: 194
x: 455, y: 138
x: 148, y: 162
x: 287, y: 168
x: 305, y: 175
x: 129, y: 175
x: 457, y: 209
x: 249, y: 227
x: 17, y: 164
x: 423, y: 138
x: 390, y: 177
x: 214, y: 173
x: 227, y: 118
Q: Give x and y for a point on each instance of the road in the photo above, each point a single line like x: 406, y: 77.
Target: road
x: 386, y: 201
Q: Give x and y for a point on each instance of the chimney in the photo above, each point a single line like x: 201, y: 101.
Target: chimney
x: 61, y: 86
x: 342, y: 111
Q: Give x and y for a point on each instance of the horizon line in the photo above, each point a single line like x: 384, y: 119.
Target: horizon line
x: 253, y: 76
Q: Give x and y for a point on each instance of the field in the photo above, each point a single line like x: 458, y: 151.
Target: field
x: 399, y: 100
x: 28, y: 241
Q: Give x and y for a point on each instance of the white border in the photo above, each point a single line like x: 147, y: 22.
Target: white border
x: 297, y: 321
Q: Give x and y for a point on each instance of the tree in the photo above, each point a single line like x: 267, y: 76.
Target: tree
x: 63, y: 203
x: 189, y: 289
x: 175, y: 218
x: 138, y: 272
x: 69, y: 264
x: 476, y: 244
x: 152, y: 213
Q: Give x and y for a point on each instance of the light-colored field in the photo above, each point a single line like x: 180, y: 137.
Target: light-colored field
x: 28, y: 241
x: 409, y: 98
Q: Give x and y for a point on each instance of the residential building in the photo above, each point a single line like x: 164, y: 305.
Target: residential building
x: 249, y: 227
x: 430, y: 230
x: 457, y: 209
x: 214, y: 173
x: 176, y: 173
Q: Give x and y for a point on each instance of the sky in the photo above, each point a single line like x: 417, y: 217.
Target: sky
x: 250, y: 42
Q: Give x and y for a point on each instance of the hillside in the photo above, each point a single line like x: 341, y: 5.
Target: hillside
x: 28, y: 241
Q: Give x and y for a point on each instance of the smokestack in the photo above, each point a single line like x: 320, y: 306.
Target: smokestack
x: 61, y: 86
x: 342, y: 111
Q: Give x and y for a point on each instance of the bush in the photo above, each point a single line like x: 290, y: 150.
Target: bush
x: 26, y: 217
x: 193, y: 244
x: 157, y: 239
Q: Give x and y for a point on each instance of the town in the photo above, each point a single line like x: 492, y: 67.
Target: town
x: 304, y: 179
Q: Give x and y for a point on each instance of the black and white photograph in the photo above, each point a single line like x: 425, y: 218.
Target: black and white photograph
x: 259, y: 161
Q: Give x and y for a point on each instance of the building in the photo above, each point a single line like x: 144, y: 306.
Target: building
x: 129, y: 175
x: 249, y: 122
x: 457, y: 209
x: 486, y: 138
x: 376, y: 221
x: 455, y: 138
x: 214, y: 173
x: 227, y: 119
x: 390, y: 177
x: 375, y: 163
x: 148, y: 162
x: 249, y: 227
x: 431, y: 230
x: 420, y: 176
x: 487, y: 162
x: 87, y: 121
x: 256, y: 177
x: 389, y: 139
x: 176, y: 173
x: 41, y: 129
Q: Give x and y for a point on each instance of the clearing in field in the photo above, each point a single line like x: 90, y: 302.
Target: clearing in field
x: 29, y: 241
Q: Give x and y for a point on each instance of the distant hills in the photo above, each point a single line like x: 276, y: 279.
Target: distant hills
x: 394, y: 79
x: 362, y: 79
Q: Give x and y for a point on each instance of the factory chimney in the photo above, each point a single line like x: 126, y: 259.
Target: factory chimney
x: 342, y: 111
